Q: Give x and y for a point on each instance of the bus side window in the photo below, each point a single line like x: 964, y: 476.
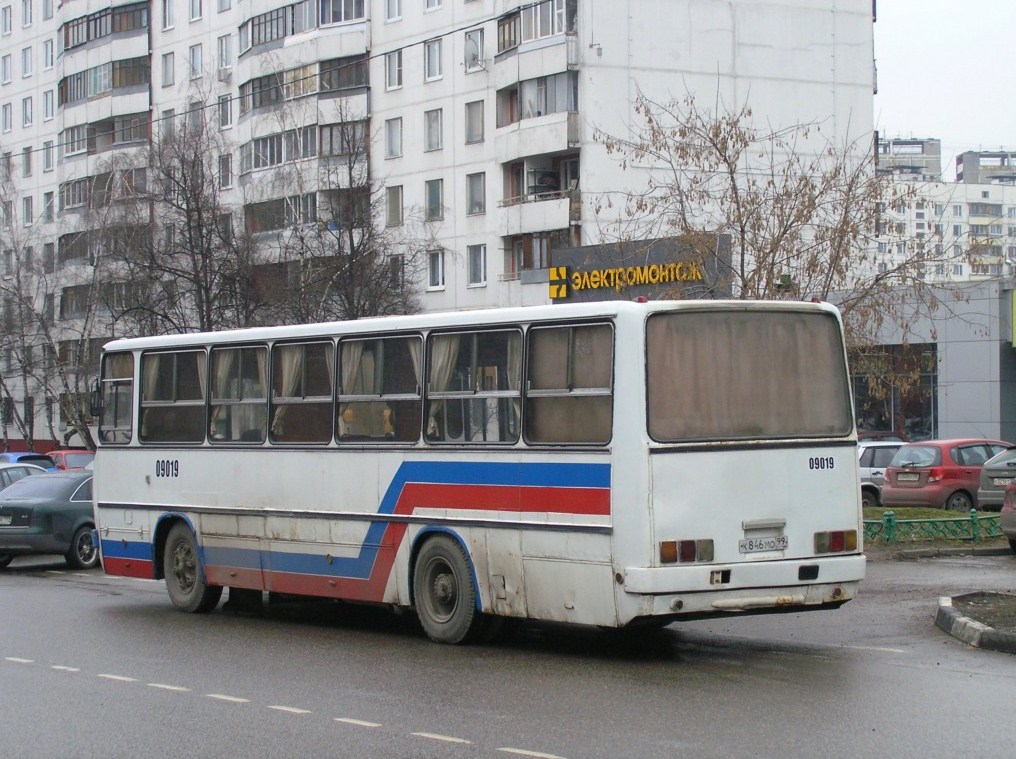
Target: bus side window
x: 474, y: 387
x: 173, y: 397
x: 569, y: 397
x: 379, y: 396
x: 301, y: 407
x: 117, y: 391
x: 239, y: 384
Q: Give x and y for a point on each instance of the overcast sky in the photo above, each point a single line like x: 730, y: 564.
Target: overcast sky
x: 945, y: 70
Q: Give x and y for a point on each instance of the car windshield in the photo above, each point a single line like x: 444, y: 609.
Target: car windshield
x: 36, y: 487
x: 917, y: 455
x: 78, y: 459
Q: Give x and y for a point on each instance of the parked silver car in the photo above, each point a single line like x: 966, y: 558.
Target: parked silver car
x: 874, y: 456
x: 996, y: 473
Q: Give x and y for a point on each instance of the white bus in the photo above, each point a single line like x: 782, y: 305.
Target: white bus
x: 609, y: 464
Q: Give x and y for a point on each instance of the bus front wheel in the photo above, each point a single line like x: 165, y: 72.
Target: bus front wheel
x: 185, y: 577
x: 444, y: 592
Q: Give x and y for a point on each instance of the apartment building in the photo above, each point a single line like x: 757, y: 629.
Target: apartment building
x: 481, y: 119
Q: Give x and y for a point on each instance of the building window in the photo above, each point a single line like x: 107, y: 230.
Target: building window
x: 26, y: 162
x: 6, y: 117
x: 47, y: 155
x: 47, y: 105
x: 393, y: 70
x: 393, y: 10
x: 47, y: 208
x: 26, y: 61
x: 476, y: 262
x: 47, y: 9
x: 474, y: 50
x: 168, y: 69
x: 435, y: 270
x: 6, y: 22
x: 434, y: 199
x: 26, y: 12
x: 225, y: 111
x: 432, y: 4
x: 195, y: 10
x: 225, y: 170
x: 394, y: 205
x: 393, y: 138
x: 476, y: 193
x: 47, y: 54
x: 26, y: 112
x: 432, y: 139
x: 195, y: 61
x: 474, y: 122
x: 225, y: 51
x: 543, y: 20
x: 167, y: 14
x: 223, y: 5
x: 337, y: 11
x: 27, y: 214
x: 5, y: 69
x: 432, y: 60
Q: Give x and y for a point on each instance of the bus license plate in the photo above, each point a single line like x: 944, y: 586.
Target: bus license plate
x: 5, y: 518
x: 999, y: 481
x: 760, y: 545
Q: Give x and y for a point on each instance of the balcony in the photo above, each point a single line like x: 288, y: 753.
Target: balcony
x: 550, y: 55
x: 539, y: 212
x: 553, y: 133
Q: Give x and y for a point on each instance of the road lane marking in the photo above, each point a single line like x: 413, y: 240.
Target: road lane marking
x: 877, y: 648
x: 524, y: 752
x: 358, y: 722
x: 223, y: 697
x: 18, y: 660
x: 164, y: 686
x: 291, y: 709
x: 437, y: 737
x: 118, y: 678
x: 62, y: 668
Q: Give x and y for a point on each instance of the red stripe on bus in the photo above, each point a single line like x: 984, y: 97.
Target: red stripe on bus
x: 422, y: 495
x: 128, y: 568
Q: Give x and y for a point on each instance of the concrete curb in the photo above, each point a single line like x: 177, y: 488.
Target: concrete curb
x: 970, y: 631
x: 932, y: 552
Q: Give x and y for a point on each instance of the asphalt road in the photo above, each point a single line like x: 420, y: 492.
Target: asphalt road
x: 93, y: 666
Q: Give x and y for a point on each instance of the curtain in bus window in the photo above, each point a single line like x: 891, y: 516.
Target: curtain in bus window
x: 380, y: 395
x: 444, y: 351
x: 716, y: 375
x: 569, y: 397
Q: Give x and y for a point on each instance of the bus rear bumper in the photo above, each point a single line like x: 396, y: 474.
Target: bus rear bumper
x: 746, y: 588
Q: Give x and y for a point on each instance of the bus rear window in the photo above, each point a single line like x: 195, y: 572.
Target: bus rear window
x: 740, y: 375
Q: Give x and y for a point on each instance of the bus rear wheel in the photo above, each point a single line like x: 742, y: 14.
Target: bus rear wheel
x: 185, y: 577
x: 444, y: 592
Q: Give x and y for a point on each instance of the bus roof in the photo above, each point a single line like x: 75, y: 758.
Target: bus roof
x: 445, y: 319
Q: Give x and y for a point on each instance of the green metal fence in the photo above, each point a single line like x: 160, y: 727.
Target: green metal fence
x: 889, y: 529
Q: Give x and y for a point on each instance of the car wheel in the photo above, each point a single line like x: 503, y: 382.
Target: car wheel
x: 868, y: 499
x: 444, y: 593
x: 185, y: 577
x: 83, y: 554
x: 5, y: 559
x: 959, y: 501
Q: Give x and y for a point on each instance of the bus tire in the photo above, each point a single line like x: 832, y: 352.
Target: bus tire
x: 444, y: 593
x: 83, y: 553
x: 185, y: 577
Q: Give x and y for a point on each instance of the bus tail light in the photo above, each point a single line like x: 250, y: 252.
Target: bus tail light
x: 836, y: 541
x: 685, y: 551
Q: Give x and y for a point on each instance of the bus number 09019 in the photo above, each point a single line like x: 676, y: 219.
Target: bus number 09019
x: 167, y: 468
x: 821, y: 462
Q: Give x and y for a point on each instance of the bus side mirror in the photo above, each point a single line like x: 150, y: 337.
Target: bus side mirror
x: 95, y: 401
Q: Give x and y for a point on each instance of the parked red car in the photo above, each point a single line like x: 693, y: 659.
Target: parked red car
x: 938, y: 473
x: 71, y: 458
